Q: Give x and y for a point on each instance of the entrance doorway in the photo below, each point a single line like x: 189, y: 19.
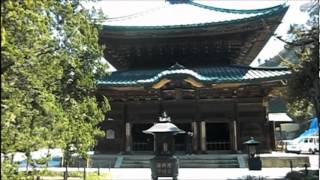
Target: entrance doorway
x: 180, y: 139
x: 140, y: 140
x: 218, y: 136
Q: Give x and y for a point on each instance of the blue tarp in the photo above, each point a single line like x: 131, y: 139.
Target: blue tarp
x: 313, y: 129
x: 314, y: 123
x: 54, y: 162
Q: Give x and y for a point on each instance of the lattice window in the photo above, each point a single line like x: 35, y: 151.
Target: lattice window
x: 110, y: 134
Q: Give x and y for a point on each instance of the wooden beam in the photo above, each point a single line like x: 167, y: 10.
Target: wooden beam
x: 127, y: 88
x: 194, y: 82
x: 227, y: 85
x: 161, y: 83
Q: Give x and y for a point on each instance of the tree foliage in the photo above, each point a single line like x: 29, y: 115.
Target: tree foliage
x: 50, y: 58
x: 304, y: 84
x: 282, y: 59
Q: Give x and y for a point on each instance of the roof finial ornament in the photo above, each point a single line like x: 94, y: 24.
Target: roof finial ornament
x: 164, y: 117
x: 177, y: 66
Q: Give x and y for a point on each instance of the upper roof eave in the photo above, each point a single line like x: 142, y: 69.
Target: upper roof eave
x: 273, y: 11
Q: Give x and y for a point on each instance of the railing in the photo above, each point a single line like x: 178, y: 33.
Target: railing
x: 93, y: 162
x: 218, y: 145
x: 142, y: 146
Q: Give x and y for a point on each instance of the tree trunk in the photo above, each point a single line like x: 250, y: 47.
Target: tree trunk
x: 66, y: 164
x: 65, y: 175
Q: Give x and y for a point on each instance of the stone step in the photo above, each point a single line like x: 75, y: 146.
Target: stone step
x: 138, y: 158
x: 209, y: 165
x: 102, y: 156
x: 102, y: 164
x: 135, y: 166
x: 189, y: 161
x: 210, y: 162
x: 189, y: 165
x: 136, y: 162
x: 185, y: 163
x: 208, y: 158
x: 102, y: 161
x: 185, y: 158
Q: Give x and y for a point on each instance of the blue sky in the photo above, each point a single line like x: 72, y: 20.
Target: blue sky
x: 115, y: 8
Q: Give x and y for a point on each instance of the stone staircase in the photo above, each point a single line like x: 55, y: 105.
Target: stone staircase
x: 135, y: 161
x: 103, y: 161
x: 96, y: 161
x: 214, y: 161
x: 192, y: 161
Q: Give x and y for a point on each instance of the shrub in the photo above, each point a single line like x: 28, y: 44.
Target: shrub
x: 249, y: 177
x: 294, y: 175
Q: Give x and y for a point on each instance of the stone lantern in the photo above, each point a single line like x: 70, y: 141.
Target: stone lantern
x: 254, y: 162
x: 164, y: 163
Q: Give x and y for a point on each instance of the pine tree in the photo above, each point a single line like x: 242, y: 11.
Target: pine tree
x: 302, y: 91
x: 50, y: 58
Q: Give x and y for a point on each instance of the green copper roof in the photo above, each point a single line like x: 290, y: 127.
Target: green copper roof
x: 220, y: 74
x: 188, y: 14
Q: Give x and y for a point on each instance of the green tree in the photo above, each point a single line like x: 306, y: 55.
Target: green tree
x: 304, y: 84
x: 50, y: 58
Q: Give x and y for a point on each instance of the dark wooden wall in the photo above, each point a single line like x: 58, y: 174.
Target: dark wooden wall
x: 249, y: 114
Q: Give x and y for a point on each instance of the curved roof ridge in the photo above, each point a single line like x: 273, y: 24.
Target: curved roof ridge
x: 259, y: 68
x: 243, y: 67
x: 171, y: 71
x: 137, y: 14
x: 270, y: 68
x: 161, y: 16
x: 238, y: 11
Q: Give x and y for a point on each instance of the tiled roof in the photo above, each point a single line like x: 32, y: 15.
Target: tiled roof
x: 189, y: 14
x: 216, y: 74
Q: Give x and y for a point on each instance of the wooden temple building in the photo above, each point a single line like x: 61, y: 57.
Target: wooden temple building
x: 192, y: 61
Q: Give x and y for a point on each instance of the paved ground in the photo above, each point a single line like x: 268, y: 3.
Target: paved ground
x: 204, y: 173
x: 217, y: 173
x: 195, y: 173
x: 313, y: 158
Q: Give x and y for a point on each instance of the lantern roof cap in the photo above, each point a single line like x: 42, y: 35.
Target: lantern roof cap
x: 166, y: 127
x: 252, y: 141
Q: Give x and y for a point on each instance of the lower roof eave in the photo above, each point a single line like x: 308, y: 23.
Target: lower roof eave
x: 226, y: 84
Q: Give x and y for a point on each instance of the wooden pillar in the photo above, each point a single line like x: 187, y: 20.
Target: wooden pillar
x: 195, y: 136
x: 128, y: 137
x: 268, y: 135
x: 276, y: 141
x: 270, y: 140
x: 235, y: 136
x: 203, y: 141
x: 124, y: 132
x: 195, y: 124
x: 236, y: 131
x: 154, y: 140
